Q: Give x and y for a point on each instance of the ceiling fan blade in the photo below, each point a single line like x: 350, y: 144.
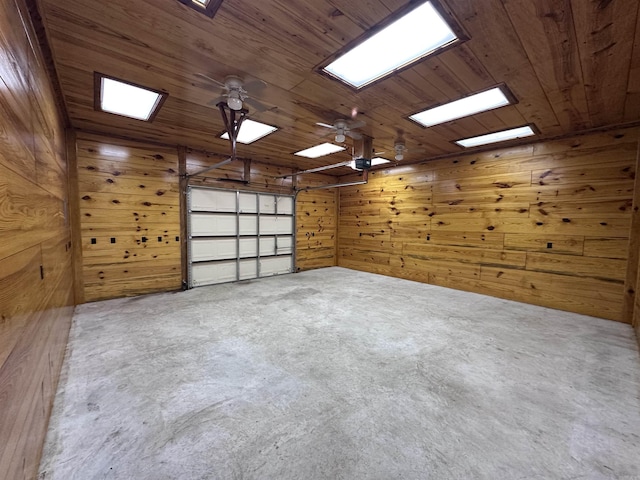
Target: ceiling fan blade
x: 254, y: 85
x: 325, y: 125
x: 209, y: 79
x: 415, y: 150
x: 358, y: 124
x: 354, y: 135
x: 256, y: 105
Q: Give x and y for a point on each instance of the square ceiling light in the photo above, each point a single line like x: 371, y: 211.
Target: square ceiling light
x: 250, y: 131
x: 479, y: 102
x: 503, y: 136
x: 415, y: 35
x: 374, y: 162
x: 208, y: 7
x: 117, y: 96
x: 320, y: 150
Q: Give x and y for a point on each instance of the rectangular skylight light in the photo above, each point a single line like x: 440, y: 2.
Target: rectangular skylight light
x: 250, y: 131
x: 320, y: 150
x: 203, y: 3
x: 520, y: 132
x: 479, y: 102
x: 124, y: 98
x: 374, y: 161
x: 412, y: 37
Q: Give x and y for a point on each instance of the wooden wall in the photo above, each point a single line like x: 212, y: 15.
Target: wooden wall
x: 316, y: 210
x: 546, y: 224
x: 36, y: 275
x: 131, y: 221
x: 129, y: 217
x: 316, y: 225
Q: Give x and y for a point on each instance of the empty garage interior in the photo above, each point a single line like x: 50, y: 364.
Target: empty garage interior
x: 464, y: 306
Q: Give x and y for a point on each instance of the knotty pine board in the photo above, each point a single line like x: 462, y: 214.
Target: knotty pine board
x: 129, y: 198
x: 546, y: 223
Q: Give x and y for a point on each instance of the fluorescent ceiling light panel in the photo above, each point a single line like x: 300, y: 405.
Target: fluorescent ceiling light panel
x: 250, y: 131
x: 202, y: 3
x: 374, y: 161
x: 411, y: 37
x: 480, y: 102
x: 128, y: 100
x: 320, y: 150
x: 520, y: 132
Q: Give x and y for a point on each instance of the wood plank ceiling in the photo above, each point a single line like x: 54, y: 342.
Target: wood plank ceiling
x: 572, y: 64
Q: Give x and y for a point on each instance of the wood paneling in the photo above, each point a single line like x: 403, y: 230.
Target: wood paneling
x: 316, y: 224
x: 547, y: 224
x: 36, y: 274
x: 128, y: 194
x: 571, y: 64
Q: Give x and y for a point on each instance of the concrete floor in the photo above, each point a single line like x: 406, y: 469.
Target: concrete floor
x: 337, y: 374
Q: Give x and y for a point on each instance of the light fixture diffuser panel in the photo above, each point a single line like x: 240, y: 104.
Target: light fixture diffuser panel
x: 503, y: 136
x: 320, y: 150
x: 128, y: 100
x: 250, y: 131
x: 413, y: 36
x: 471, y: 105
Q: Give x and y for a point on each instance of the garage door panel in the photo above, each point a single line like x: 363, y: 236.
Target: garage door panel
x: 212, y: 225
x: 213, y: 200
x: 209, y: 249
x: 275, y: 266
x: 285, y: 205
x: 236, y: 235
x: 248, y: 225
x: 275, y: 246
x: 272, y: 225
x: 267, y: 204
x: 247, y: 202
x: 212, y: 273
x: 248, y: 269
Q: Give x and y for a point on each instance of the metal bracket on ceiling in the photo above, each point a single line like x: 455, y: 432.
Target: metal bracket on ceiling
x: 232, y: 123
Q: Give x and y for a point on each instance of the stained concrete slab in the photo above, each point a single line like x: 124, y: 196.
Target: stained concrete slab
x: 338, y: 374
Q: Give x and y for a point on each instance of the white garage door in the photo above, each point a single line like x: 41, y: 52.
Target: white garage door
x: 236, y: 235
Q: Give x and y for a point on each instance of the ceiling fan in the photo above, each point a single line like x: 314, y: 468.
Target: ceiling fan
x: 400, y: 147
x: 236, y: 92
x: 344, y: 128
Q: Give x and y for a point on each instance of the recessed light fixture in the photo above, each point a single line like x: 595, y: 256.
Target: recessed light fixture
x: 476, y: 103
x: 117, y: 96
x: 320, y: 150
x: 250, y: 131
x: 374, y: 161
x: 410, y: 38
x: 503, y: 136
x: 208, y: 7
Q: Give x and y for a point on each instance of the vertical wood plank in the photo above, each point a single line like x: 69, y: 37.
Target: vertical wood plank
x: 74, y: 216
x: 182, y: 172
